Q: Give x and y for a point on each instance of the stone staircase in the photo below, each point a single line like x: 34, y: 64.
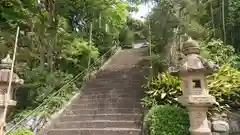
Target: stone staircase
x: 109, y: 103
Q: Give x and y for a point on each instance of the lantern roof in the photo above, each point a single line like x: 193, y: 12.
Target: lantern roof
x: 193, y: 62
x: 6, y: 64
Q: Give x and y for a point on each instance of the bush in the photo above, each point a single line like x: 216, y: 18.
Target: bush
x: 218, y: 52
x: 167, y: 120
x: 225, y: 86
x: 162, y: 89
x: 128, y: 39
x: 38, y: 86
x: 21, y: 132
x: 159, y: 63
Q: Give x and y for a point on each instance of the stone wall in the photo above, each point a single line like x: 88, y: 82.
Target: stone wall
x: 225, y: 123
x: 220, y: 124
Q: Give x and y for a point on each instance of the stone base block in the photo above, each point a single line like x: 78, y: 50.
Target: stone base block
x: 201, y: 131
x: 197, y: 100
x: 10, y: 103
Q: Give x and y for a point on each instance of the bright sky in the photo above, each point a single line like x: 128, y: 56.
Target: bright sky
x: 144, y: 9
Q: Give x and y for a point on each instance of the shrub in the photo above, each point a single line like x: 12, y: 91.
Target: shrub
x: 236, y: 62
x: 167, y: 120
x: 218, y: 52
x: 159, y: 63
x: 23, y: 131
x: 127, y: 37
x: 225, y: 86
x: 38, y: 86
x: 162, y: 89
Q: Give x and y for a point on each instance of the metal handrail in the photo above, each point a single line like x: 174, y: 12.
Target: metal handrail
x: 59, y: 90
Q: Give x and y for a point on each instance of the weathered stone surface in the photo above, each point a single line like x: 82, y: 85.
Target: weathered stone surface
x: 234, y: 123
x: 218, y: 133
x: 197, y: 100
x: 192, y: 71
x: 220, y: 126
x: 234, y: 126
x: 145, y: 129
x: 109, y: 103
x: 220, y: 117
x: 209, y: 124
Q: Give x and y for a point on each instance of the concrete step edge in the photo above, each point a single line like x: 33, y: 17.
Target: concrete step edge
x: 100, y: 121
x: 105, y: 104
x: 116, y: 114
x: 104, y: 109
x: 97, y: 129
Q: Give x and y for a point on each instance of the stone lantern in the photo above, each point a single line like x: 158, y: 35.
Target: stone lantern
x: 192, y: 72
x: 4, y: 82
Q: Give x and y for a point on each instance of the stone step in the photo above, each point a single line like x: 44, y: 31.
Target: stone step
x: 97, y: 90
x: 81, y: 99
x: 97, y: 124
x: 106, y: 105
x: 101, y: 111
x: 95, y: 131
x: 100, y: 117
x: 108, y: 101
x: 113, y: 95
x: 110, y: 85
x: 122, y: 73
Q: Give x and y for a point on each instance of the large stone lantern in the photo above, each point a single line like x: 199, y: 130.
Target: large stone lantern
x: 4, y: 83
x: 192, y: 72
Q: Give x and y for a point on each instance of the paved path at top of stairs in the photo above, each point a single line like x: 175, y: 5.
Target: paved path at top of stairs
x: 109, y: 103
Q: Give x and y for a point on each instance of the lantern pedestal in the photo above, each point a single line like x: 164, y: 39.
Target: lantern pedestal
x: 197, y: 106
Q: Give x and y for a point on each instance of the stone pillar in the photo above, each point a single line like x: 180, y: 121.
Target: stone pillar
x: 192, y: 72
x: 4, y: 82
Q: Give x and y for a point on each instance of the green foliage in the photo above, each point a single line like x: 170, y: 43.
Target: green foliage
x: 53, y: 45
x: 162, y: 23
x: 196, y: 30
x: 76, y: 56
x: 21, y: 132
x: 159, y: 63
x: 139, y: 28
x: 167, y: 120
x: 224, y: 85
x: 129, y: 37
x: 39, y: 83
x: 216, y: 51
x: 162, y: 89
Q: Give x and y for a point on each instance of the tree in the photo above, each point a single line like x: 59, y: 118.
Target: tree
x: 54, y: 41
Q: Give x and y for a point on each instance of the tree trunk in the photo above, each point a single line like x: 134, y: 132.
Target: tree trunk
x: 42, y: 56
x: 212, y: 16
x: 223, y: 21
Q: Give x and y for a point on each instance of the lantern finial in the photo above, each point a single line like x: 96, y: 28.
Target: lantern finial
x: 6, y: 62
x: 191, y: 47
